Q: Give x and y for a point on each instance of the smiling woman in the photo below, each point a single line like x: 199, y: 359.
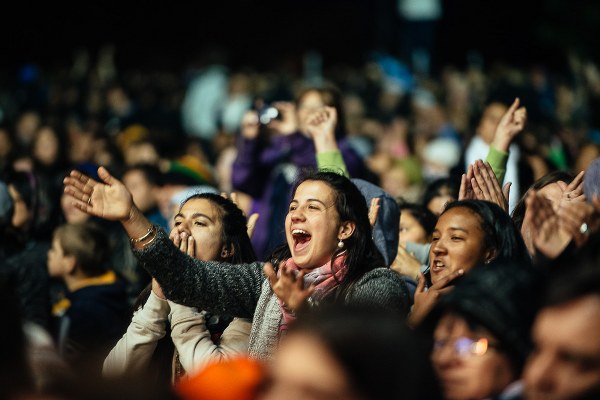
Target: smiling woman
x: 327, y: 209
x: 467, y: 234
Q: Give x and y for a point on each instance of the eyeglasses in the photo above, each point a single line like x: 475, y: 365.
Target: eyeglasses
x: 465, y: 347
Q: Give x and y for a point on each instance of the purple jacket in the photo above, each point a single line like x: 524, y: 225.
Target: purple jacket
x: 267, y: 175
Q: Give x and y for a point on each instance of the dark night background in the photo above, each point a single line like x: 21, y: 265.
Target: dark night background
x: 169, y: 35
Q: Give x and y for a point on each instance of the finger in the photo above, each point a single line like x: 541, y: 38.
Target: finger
x: 484, y: 185
x: 251, y: 224
x: 513, y: 107
x: 191, y: 249
x: 105, y: 176
x: 270, y: 273
x: 477, y: 191
x: 234, y: 198
x: 445, y: 281
x: 575, y: 182
x: 506, y: 190
x: 183, y: 242
x: 373, y: 210
x: 462, y: 191
x: 420, y: 284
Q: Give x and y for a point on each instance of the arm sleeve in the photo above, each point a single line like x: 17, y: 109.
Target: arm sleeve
x: 332, y: 161
x: 193, y: 340
x: 221, y: 288
x: 497, y: 160
x: 134, y: 350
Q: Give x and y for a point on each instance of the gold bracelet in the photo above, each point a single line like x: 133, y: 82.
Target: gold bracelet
x: 151, y: 230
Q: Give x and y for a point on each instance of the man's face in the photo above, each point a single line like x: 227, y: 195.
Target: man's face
x: 566, y: 361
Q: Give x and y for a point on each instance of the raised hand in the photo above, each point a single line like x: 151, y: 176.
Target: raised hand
x: 374, y: 211
x: 184, y: 241
x: 511, y: 124
x: 573, y: 192
x: 288, y: 123
x: 108, y: 199
x: 425, y: 300
x: 547, y: 234
x: 406, y: 263
x: 465, y: 192
x: 486, y: 186
x: 288, y: 285
x: 321, y: 128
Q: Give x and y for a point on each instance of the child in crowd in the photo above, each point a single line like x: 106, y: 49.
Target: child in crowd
x: 94, y: 312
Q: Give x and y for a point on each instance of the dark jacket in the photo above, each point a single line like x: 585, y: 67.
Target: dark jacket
x: 267, y: 173
x: 95, y: 320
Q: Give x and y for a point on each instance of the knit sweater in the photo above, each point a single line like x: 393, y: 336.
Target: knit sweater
x: 242, y: 290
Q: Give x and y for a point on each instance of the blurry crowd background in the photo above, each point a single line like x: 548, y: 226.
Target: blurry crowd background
x: 415, y: 92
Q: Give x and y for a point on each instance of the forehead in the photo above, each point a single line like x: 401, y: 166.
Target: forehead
x: 575, y: 323
x: 454, y: 324
x: 317, y: 190
x: 202, y: 206
x: 459, y: 217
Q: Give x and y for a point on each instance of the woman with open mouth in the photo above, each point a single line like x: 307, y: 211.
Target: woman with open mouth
x: 329, y: 256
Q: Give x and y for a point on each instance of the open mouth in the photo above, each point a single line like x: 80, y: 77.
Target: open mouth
x: 437, y: 266
x: 301, y: 239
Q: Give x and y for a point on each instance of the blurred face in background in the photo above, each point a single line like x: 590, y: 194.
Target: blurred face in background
x: 469, y: 361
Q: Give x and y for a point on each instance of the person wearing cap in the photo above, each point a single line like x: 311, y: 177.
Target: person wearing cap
x: 481, y: 331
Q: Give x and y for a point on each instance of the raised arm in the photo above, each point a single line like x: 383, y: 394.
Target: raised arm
x: 511, y: 124
x: 217, y: 287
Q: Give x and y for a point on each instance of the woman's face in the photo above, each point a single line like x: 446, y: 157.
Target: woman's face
x: 303, y: 368
x: 458, y: 241
x: 310, y: 102
x: 46, y: 146
x: 411, y: 230
x: 312, y: 225
x: 201, y: 219
x: 468, y: 362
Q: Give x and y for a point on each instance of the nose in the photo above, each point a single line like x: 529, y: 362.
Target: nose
x: 444, y: 357
x: 297, y: 214
x: 438, y: 247
x: 183, y: 227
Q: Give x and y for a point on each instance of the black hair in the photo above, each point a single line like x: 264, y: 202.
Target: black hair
x: 362, y: 253
x: 501, y: 233
x: 441, y: 187
x: 518, y: 214
x: 422, y: 214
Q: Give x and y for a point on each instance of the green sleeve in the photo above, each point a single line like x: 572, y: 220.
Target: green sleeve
x: 497, y: 160
x: 332, y: 161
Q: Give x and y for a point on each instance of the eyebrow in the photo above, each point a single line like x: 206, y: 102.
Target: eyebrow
x: 308, y: 201
x: 452, y: 228
x: 194, y: 216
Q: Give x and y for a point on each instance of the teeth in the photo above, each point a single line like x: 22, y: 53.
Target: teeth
x: 298, y: 232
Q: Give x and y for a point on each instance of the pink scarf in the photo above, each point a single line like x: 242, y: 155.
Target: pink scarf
x: 325, y: 279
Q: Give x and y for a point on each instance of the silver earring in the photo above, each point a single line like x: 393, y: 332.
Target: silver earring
x: 340, y: 244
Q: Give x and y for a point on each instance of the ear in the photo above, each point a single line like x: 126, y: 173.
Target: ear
x: 70, y: 264
x: 227, y: 252
x: 489, y: 255
x: 346, y: 230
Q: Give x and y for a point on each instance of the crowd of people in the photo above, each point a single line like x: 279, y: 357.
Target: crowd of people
x: 375, y: 233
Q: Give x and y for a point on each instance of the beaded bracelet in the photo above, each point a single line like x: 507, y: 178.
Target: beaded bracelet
x: 151, y: 230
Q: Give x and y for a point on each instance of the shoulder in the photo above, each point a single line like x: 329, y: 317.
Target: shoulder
x: 382, y: 287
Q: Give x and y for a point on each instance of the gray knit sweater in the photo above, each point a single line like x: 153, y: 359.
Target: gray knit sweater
x: 242, y: 290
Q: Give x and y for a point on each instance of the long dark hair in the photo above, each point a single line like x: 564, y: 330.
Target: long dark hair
x: 362, y: 253
x: 501, y: 233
